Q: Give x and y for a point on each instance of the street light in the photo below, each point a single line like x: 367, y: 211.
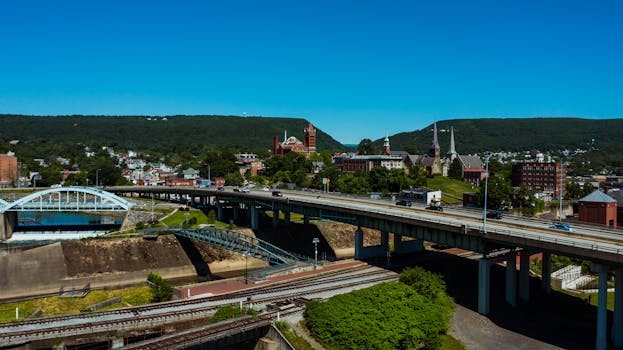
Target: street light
x: 186, y: 216
x: 561, y: 183
x: 246, y: 266
x: 484, y: 214
x: 315, y: 242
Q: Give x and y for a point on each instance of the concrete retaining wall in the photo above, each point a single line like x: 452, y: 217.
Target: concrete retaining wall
x: 36, y: 270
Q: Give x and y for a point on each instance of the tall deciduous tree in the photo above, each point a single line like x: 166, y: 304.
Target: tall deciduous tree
x: 366, y: 147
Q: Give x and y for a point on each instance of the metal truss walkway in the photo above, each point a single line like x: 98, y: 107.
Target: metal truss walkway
x: 243, y: 244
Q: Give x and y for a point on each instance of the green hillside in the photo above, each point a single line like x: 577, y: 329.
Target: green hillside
x: 176, y: 133
x: 545, y: 134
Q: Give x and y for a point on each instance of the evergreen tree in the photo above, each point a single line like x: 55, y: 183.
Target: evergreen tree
x: 456, y: 170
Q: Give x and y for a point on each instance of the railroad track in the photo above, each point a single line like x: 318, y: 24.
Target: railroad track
x: 202, y: 335
x: 75, y: 325
x: 138, y: 310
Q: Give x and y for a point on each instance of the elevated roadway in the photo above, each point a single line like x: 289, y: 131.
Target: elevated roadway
x: 498, y: 240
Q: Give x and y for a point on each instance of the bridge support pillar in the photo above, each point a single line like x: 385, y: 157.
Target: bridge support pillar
x: 601, y: 341
x: 385, y: 239
x: 286, y: 216
x: 117, y: 342
x: 358, y: 244
x: 484, y: 276
x: 546, y: 273
x: 511, y: 279
x: 617, y: 325
x: 8, y: 221
x: 255, y: 218
x: 235, y: 210
x: 275, y: 217
x: 219, y: 211
x: 524, y: 276
x: 412, y: 246
x: 306, y: 220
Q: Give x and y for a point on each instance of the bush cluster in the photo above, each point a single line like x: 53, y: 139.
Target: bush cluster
x: 413, y: 313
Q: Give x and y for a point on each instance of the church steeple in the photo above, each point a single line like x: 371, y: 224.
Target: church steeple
x: 452, y: 152
x: 434, y: 148
x: 386, y: 149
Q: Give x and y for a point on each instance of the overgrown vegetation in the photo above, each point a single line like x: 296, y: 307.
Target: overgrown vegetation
x: 52, y: 306
x: 385, y: 316
x: 227, y: 312
x: 161, y: 289
x: 296, y: 340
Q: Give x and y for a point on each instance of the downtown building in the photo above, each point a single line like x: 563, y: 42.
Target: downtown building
x: 546, y: 178
x: 8, y: 170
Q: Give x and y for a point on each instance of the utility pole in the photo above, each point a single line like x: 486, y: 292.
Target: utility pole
x: 560, y: 195
x: 246, y: 267
x: 315, y: 241
x: 484, y: 214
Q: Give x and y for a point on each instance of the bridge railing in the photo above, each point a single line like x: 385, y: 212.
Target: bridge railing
x: 544, y: 237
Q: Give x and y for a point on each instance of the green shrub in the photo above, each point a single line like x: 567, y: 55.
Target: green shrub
x: 162, y: 290
x: 385, y: 316
x: 228, y: 311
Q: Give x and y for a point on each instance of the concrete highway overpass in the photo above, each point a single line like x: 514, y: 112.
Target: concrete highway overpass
x: 499, y: 240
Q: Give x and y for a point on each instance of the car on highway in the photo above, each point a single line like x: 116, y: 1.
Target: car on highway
x: 494, y: 214
x: 277, y: 194
x: 244, y: 190
x: 561, y: 226
x: 220, y: 188
x: 435, y: 207
x: 265, y: 189
x: 404, y: 203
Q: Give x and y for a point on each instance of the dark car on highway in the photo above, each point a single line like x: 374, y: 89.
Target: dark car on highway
x: 435, y: 207
x: 496, y: 214
x: 277, y: 194
x: 404, y: 203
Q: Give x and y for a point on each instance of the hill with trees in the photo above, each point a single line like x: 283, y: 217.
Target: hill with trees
x: 513, y: 134
x: 159, y: 134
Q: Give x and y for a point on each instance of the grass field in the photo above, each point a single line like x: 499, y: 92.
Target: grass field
x: 178, y: 218
x: 449, y: 186
x: 294, y: 217
x: 52, y: 306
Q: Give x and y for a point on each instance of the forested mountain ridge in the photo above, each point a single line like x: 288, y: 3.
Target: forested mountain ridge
x: 159, y: 134
x: 514, y: 134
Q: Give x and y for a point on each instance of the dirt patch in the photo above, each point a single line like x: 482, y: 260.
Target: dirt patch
x: 341, y: 236
x: 89, y: 257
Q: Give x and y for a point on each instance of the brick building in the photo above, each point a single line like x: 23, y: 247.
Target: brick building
x: 292, y: 144
x: 598, y: 208
x: 174, y: 181
x: 618, y: 196
x: 8, y: 170
x: 350, y: 162
x: 541, y: 177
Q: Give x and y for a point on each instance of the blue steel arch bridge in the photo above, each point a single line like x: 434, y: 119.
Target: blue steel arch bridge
x: 59, y: 199
x: 71, y: 198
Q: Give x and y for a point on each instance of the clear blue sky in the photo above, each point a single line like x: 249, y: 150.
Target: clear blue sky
x: 356, y: 69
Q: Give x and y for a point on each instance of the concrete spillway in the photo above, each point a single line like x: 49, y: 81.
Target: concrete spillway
x: 8, y: 222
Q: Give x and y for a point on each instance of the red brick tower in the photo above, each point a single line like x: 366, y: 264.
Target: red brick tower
x: 309, y: 140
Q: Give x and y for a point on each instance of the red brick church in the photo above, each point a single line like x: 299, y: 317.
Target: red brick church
x: 292, y: 144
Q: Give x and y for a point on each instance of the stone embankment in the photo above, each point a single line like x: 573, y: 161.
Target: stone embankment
x: 126, y: 261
